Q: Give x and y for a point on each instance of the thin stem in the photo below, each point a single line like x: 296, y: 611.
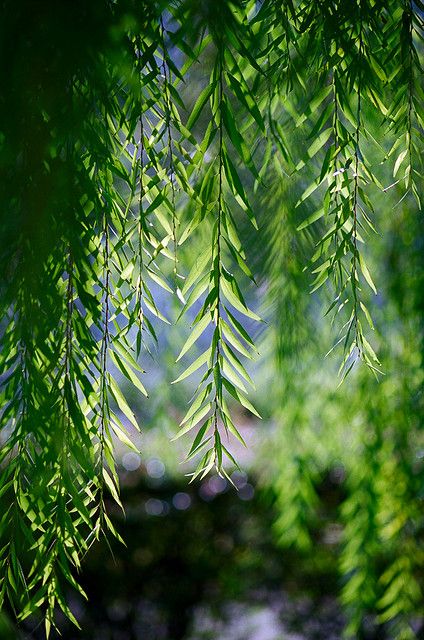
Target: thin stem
x: 141, y: 220
x: 69, y: 312
x: 67, y: 369
x: 356, y: 190
x: 410, y: 90
x: 58, y: 528
x: 167, y: 81
x: 218, y: 245
x: 104, y: 405
x: 336, y: 172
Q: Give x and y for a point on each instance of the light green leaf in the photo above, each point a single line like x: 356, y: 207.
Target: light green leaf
x: 128, y: 372
x: 236, y: 302
x: 202, y: 359
x: 367, y: 274
x: 198, y: 416
x: 196, y: 332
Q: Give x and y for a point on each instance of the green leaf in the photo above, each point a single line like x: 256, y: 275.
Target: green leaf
x: 233, y: 340
x: 202, y: 359
x: 122, y: 436
x: 199, y: 105
x: 316, y: 146
x: 194, y: 420
x: 236, y: 138
x: 240, y: 397
x: 235, y: 362
x: 367, y: 274
x: 196, y: 271
x: 122, y: 403
x: 312, y: 218
x: 111, y: 486
x: 196, y: 332
x: 159, y: 280
x: 231, y: 376
x: 399, y: 160
x: 198, y: 441
x: 236, y: 302
x: 197, y: 403
x: 128, y: 372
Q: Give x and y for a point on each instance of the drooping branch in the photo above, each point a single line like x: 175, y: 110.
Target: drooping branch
x: 168, y: 113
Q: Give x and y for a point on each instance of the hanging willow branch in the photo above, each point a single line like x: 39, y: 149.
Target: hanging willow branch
x: 405, y: 116
x: 167, y: 102
x: 345, y: 170
x: 225, y: 372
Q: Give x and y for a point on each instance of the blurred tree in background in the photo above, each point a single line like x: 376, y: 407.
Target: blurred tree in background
x: 212, y: 165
